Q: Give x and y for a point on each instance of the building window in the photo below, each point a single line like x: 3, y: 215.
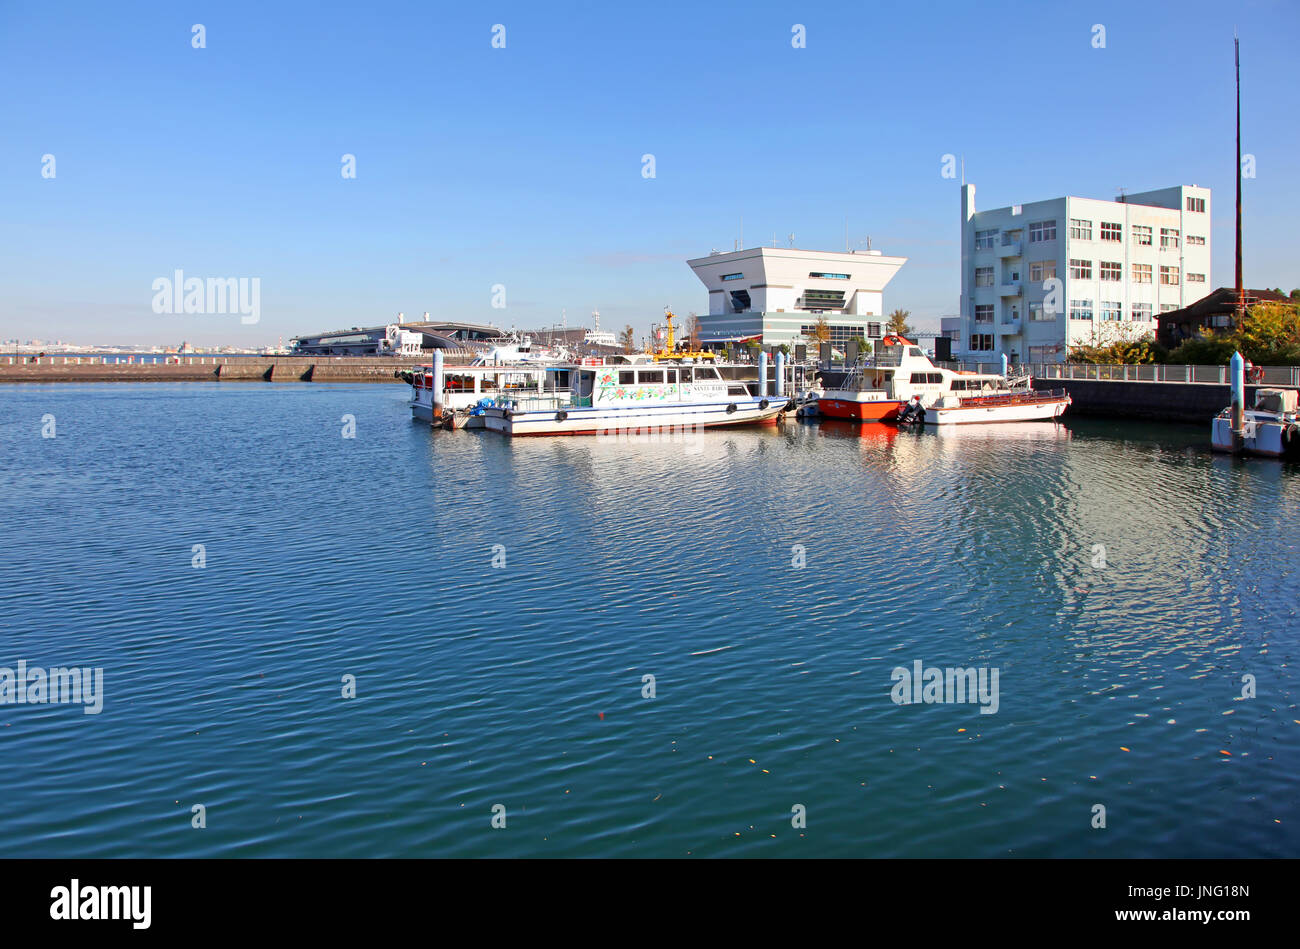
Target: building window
x: 1080, y: 230
x: 1196, y: 278
x: 1111, y: 312
x: 1141, y: 273
x: 1169, y: 276
x: 1039, y: 354
x: 1111, y: 232
x: 1194, y: 239
x: 1168, y: 238
x: 983, y: 276
x: 1081, y: 309
x: 739, y: 301
x: 839, y: 335
x: 732, y: 276
x: 1111, y: 270
x: 984, y: 313
x: 1040, y: 270
x: 1080, y: 269
x: 1196, y: 204
x: 1141, y: 313
x: 873, y: 331
x: 984, y: 239
x: 1141, y: 235
x: 981, y: 342
x: 829, y: 276
x: 1037, y: 314
x: 1168, y: 307
x: 822, y: 300
x: 1042, y: 231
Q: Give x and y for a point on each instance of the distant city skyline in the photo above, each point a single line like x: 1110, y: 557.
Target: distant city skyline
x: 359, y: 162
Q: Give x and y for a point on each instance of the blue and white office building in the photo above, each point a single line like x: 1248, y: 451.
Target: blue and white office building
x: 1038, y: 279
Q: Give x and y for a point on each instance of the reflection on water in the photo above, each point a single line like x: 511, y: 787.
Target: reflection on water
x: 1121, y: 578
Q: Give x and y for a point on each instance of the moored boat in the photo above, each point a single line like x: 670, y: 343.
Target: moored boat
x: 1025, y: 405
x: 1270, y: 428
x: 900, y: 383
x: 623, y: 398
x: 463, y: 388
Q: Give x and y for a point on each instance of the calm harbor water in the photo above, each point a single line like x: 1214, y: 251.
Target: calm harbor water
x: 1120, y: 579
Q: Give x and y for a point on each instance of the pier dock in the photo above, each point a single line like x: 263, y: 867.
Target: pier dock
x: 208, y: 368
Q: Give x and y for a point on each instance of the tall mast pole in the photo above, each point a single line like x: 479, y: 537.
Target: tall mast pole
x: 1236, y: 51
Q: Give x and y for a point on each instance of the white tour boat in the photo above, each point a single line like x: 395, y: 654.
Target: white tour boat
x: 629, y: 397
x: 901, y: 384
x: 464, y: 388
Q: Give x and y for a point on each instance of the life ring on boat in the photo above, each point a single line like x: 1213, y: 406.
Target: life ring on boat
x: 731, y: 408
x: 561, y: 415
x: 764, y: 404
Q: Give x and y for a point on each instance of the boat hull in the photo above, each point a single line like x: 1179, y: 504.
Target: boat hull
x: 859, y: 406
x: 984, y: 412
x: 1267, y: 439
x: 613, y: 420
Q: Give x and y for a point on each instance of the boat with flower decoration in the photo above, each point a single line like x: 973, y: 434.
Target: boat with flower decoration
x: 633, y: 395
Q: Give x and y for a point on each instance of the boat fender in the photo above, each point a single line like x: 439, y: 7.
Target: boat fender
x: 731, y: 408
x: 561, y: 415
x: 764, y: 404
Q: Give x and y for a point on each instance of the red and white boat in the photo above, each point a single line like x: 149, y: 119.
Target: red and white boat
x: 900, y: 383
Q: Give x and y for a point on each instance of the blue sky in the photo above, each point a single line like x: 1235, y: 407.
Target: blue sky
x: 522, y: 166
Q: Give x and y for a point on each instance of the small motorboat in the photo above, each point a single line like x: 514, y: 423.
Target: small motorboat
x: 1271, y: 428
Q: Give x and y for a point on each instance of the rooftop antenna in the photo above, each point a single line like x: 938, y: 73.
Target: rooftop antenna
x: 595, y: 318
x: 791, y: 239
x: 1236, y: 55
x: 1122, y: 194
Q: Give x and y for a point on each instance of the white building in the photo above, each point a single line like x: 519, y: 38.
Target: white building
x: 1038, y: 279
x: 778, y: 293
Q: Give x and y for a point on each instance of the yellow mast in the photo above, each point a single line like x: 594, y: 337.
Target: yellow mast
x: 668, y: 350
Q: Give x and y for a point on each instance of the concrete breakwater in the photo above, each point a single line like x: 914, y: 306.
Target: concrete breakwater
x: 1155, y: 401
x: 208, y: 369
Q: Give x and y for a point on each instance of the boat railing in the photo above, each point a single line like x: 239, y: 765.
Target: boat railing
x: 551, y: 399
x: 1142, y: 372
x: 1014, y: 398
